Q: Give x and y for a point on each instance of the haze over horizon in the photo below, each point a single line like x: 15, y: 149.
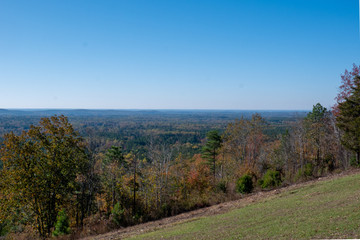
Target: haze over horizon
x: 149, y: 109
x: 233, y: 55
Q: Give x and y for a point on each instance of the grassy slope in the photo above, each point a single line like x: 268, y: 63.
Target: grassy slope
x: 325, y: 209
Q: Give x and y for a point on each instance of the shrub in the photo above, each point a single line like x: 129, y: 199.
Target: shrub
x: 62, y: 225
x: 305, y: 173
x: 271, y: 178
x: 354, y: 162
x: 117, y: 215
x: 244, y: 184
x: 3, y: 228
x: 222, y: 186
x: 329, y: 162
x: 308, y: 170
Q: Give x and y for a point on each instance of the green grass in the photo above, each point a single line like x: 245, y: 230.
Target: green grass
x: 327, y: 209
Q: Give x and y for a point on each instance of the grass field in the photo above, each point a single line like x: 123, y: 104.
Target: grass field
x: 324, y: 209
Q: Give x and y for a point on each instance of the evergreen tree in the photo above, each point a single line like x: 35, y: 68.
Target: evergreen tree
x: 62, y: 225
x: 315, y: 124
x: 211, y: 149
x: 318, y: 113
x: 348, y: 119
x: 115, y: 155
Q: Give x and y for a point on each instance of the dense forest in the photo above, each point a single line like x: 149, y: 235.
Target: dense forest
x: 132, y: 130
x: 89, y: 171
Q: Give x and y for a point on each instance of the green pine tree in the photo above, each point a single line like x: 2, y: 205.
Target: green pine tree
x: 211, y: 149
x: 62, y: 225
x: 349, y: 120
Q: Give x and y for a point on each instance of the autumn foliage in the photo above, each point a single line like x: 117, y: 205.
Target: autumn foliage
x: 41, y: 172
x: 49, y: 170
x: 347, y: 83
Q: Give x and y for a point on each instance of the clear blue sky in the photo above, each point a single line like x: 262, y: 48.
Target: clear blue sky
x: 130, y: 54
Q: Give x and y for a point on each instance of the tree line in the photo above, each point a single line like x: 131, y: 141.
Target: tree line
x: 54, y: 180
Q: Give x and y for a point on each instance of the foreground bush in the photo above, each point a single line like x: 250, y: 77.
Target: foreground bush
x: 62, y: 226
x: 117, y: 215
x: 222, y: 186
x: 3, y: 228
x: 271, y: 178
x: 244, y: 184
x: 305, y: 173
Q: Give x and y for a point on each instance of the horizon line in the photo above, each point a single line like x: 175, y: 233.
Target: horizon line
x: 151, y: 109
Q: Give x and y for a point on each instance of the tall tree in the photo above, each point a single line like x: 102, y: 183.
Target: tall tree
x: 211, y: 149
x: 316, y: 123
x: 348, y: 119
x: 133, y: 182
x: 41, y: 170
x: 89, y: 185
x: 160, y: 157
x: 114, y: 165
x: 244, y: 140
x: 345, y: 89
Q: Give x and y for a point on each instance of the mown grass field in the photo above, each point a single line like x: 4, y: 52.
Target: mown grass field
x: 324, y: 209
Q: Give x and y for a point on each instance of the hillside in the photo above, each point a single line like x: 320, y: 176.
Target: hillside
x: 323, y: 208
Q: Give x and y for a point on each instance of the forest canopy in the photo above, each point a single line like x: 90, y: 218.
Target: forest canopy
x: 61, y: 174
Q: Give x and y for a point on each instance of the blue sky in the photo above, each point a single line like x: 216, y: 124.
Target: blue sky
x: 244, y: 54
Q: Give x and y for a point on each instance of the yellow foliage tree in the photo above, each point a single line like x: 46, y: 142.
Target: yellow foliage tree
x: 40, y: 172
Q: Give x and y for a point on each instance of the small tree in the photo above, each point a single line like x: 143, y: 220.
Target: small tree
x: 211, y: 149
x: 117, y: 215
x: 62, y: 225
x: 245, y: 184
x: 271, y: 178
